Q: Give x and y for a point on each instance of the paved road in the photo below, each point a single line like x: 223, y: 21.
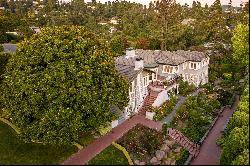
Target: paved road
x: 210, y: 152
x: 86, y: 154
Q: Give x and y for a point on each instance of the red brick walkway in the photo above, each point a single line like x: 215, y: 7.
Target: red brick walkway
x: 86, y: 154
x: 209, y: 151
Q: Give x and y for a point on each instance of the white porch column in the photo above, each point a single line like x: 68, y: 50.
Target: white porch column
x: 177, y: 89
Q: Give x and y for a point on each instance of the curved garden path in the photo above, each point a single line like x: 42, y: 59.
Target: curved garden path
x: 86, y: 154
x: 210, y: 151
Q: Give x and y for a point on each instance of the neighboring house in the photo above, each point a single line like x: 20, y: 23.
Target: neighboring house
x: 212, y: 45
x: 153, y: 74
x: 9, y: 47
x: 103, y: 23
x: 112, y: 29
x: 227, y: 8
x: 13, y: 33
x: 115, y: 20
x: 188, y: 21
x: 35, y: 29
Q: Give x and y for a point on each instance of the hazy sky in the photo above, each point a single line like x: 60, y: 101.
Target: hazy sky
x: 203, y: 2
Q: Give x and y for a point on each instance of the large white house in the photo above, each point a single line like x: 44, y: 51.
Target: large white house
x: 148, y: 71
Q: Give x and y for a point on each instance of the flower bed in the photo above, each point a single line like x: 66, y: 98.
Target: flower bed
x: 141, y: 142
x: 165, y: 109
x: 148, y: 146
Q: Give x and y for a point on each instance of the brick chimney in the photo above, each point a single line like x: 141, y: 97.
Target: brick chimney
x: 138, y: 63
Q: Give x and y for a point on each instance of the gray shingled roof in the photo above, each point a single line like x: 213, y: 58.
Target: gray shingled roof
x: 9, y: 47
x: 127, y: 71
x: 152, y: 58
x: 148, y: 57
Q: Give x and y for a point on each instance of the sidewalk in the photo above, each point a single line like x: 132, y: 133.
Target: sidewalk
x: 210, y: 151
x: 86, y: 154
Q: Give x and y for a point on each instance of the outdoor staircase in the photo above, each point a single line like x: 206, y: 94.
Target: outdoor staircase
x: 149, y: 100
x: 184, y: 141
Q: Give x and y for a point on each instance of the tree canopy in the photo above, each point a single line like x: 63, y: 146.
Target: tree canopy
x: 236, y: 139
x: 240, y: 42
x: 61, y: 81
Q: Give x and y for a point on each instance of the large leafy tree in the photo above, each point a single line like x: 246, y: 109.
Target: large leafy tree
x: 237, y: 141
x: 61, y: 82
x: 240, y: 42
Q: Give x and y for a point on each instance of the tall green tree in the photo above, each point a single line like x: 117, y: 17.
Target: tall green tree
x: 168, y: 15
x: 240, y: 42
x: 61, y: 82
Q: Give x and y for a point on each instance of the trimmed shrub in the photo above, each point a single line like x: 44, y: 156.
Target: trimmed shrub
x: 183, y: 157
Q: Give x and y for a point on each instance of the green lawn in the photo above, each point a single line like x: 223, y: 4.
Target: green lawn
x: 14, y: 151
x: 109, y: 156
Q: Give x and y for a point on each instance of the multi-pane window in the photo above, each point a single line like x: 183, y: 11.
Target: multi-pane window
x: 185, y: 65
x: 168, y: 69
x: 150, y: 77
x: 193, y: 65
x: 154, y: 76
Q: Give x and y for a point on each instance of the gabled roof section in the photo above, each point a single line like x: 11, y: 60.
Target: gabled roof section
x: 177, y: 57
x: 127, y: 71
